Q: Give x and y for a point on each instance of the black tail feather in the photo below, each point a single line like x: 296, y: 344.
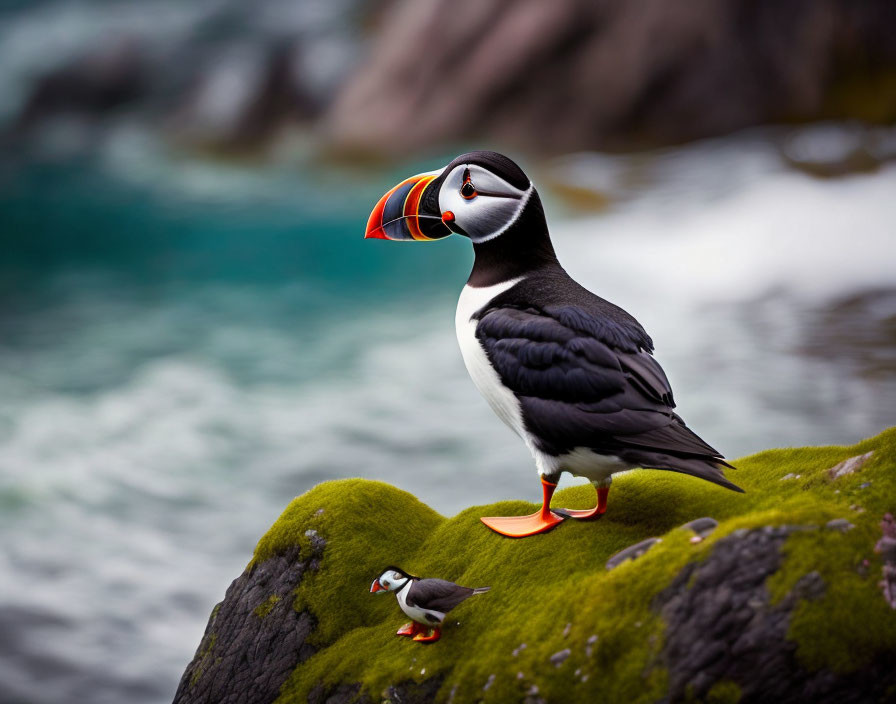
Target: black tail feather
x: 708, y: 468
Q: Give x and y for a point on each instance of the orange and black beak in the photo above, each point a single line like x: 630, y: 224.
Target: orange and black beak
x: 376, y: 586
x: 409, y: 212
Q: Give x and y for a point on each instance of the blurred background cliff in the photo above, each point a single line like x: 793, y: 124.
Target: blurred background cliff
x: 192, y: 330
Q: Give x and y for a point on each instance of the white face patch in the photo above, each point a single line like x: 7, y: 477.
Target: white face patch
x: 484, y: 205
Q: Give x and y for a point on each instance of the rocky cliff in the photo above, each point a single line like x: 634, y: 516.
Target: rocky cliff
x: 579, y: 74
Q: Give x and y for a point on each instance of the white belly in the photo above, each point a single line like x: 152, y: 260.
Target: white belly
x: 502, y: 400
x: 584, y: 462
x: 416, y: 613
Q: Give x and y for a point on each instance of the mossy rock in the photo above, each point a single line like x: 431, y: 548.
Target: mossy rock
x: 773, y: 600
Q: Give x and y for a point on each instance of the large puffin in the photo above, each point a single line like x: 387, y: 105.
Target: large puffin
x: 426, y: 601
x: 572, y: 374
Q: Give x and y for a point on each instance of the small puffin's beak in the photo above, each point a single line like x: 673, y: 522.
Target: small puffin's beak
x: 376, y: 586
x: 409, y: 211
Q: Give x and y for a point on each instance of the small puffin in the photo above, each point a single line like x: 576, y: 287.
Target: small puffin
x: 571, y: 373
x: 426, y: 601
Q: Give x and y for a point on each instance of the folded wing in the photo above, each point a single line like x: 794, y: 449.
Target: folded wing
x: 585, y: 380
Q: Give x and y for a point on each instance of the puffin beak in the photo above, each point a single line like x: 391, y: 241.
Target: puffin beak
x: 376, y: 587
x: 409, y: 211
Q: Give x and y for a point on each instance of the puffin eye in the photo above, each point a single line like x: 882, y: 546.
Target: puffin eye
x: 468, y: 190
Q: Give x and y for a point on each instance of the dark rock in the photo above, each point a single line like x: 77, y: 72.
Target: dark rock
x: 610, y: 75
x: 886, y: 547
x: 342, y: 694
x: 724, y: 628
x: 242, y: 97
x: 318, y: 543
x: 240, y: 646
x: 406, y: 692
x: 631, y: 552
x: 411, y: 692
x: 702, y: 526
x: 102, y: 79
x: 849, y: 466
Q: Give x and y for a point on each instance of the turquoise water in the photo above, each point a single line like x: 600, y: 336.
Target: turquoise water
x: 186, y: 345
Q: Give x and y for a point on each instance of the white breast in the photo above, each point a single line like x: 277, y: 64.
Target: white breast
x: 415, y: 612
x: 486, y: 379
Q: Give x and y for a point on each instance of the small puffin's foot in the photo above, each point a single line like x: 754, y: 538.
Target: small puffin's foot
x: 541, y: 521
x: 589, y: 514
x: 409, y: 629
x: 431, y: 638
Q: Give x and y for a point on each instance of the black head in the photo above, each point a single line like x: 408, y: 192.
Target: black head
x: 479, y: 194
x: 391, y: 579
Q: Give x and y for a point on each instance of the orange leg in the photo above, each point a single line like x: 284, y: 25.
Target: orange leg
x: 431, y: 638
x: 520, y: 526
x: 591, y: 513
x: 410, y: 629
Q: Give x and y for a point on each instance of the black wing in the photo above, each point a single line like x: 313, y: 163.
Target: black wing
x: 586, y: 378
x: 437, y: 594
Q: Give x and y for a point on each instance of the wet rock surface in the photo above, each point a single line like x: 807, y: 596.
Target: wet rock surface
x: 722, y: 627
x: 254, y: 638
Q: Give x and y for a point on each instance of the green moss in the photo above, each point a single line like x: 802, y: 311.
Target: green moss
x: 723, y: 693
x: 542, y: 583
x: 204, y: 655
x: 265, y: 607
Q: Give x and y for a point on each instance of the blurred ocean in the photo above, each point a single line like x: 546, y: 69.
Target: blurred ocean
x: 186, y: 345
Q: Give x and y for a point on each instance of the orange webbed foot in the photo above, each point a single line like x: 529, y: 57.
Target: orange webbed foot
x: 522, y: 526
x: 431, y: 638
x: 589, y: 514
x: 409, y: 629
